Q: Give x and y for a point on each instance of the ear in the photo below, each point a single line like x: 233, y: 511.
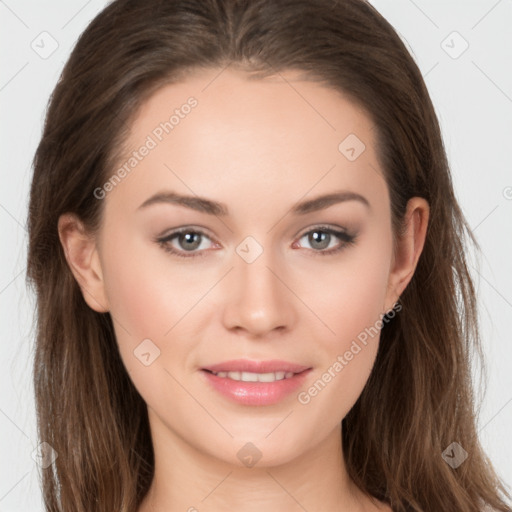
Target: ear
x: 408, y: 249
x: 83, y: 260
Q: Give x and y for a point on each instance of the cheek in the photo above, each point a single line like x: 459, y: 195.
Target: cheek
x: 147, y: 291
x: 349, y: 293
x: 145, y: 302
x: 152, y: 296
x: 356, y: 294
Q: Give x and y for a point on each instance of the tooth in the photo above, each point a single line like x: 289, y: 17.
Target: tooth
x: 255, y: 377
x: 269, y: 377
x: 249, y: 377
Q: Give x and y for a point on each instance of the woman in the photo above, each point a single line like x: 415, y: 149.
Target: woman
x: 254, y: 369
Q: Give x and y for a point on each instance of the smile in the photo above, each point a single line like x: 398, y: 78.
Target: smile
x: 254, y: 377
x: 255, y: 388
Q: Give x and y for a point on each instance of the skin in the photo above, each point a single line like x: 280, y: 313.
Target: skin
x: 259, y: 147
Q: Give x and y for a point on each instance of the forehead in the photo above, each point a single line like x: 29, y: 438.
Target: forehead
x: 219, y: 133
x: 230, y: 105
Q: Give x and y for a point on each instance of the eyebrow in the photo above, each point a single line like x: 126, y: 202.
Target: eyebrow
x: 210, y: 207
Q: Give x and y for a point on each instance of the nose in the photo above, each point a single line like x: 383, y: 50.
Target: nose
x: 259, y: 299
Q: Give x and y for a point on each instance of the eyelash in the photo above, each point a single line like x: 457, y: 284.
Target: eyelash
x: 342, y: 235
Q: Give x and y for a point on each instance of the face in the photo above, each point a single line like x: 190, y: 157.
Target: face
x: 250, y: 267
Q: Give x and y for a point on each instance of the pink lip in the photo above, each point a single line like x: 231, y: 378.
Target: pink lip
x: 256, y: 393
x: 246, y: 365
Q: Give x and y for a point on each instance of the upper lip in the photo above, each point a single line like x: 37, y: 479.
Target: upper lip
x: 246, y: 365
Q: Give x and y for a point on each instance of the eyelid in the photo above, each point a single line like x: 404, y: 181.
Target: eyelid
x: 322, y: 227
x: 196, y: 228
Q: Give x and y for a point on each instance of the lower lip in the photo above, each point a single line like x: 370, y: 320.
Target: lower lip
x: 256, y: 393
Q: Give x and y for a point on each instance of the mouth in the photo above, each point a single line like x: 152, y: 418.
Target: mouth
x: 255, y: 382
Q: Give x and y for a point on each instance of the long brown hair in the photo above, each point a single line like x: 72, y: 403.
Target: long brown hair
x: 419, y: 398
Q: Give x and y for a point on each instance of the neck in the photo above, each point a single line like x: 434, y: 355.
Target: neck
x: 187, y: 479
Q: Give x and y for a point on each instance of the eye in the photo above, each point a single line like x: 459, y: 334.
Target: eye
x: 187, y: 239
x: 321, y: 237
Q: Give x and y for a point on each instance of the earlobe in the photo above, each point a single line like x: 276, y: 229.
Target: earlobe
x: 81, y: 254
x: 409, y: 247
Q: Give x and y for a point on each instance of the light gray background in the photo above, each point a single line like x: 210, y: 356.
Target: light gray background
x: 472, y: 93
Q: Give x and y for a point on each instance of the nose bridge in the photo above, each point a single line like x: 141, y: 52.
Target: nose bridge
x: 259, y: 300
